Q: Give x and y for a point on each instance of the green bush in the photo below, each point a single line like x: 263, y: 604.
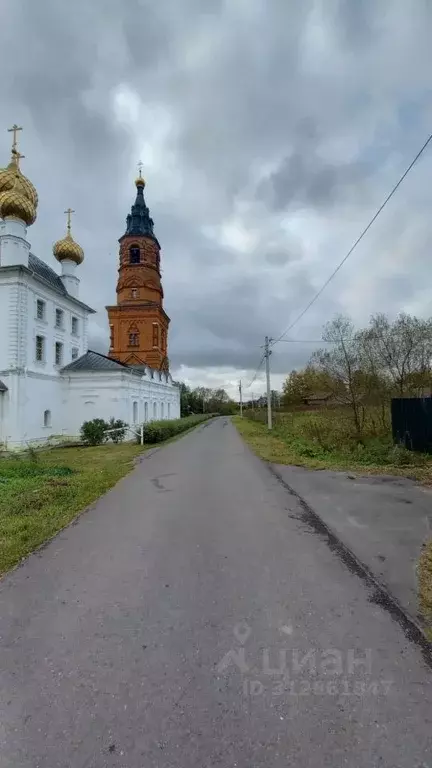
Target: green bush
x: 93, y: 432
x: 158, y: 431
x: 120, y: 426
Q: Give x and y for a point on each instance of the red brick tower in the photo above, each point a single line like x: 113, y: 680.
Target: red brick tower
x: 138, y: 323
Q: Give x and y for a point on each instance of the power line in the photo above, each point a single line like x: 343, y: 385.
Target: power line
x: 361, y: 236
x: 256, y: 372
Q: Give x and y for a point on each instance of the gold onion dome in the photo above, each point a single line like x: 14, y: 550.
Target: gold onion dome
x: 18, y: 197
x: 140, y: 182
x: 67, y: 248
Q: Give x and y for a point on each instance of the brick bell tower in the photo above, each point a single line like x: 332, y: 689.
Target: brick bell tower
x: 138, y: 323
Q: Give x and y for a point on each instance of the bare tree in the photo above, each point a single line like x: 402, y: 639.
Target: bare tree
x: 342, y: 365
x: 399, y: 353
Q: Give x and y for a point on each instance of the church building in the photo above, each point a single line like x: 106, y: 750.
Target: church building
x: 50, y: 382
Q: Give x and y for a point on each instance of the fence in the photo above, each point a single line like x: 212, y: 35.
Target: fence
x: 412, y: 422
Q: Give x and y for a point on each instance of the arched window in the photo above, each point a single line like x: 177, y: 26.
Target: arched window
x: 134, y: 339
x: 155, y: 410
x: 155, y: 335
x: 163, y: 340
x: 135, y: 412
x: 134, y: 254
x: 162, y: 410
x: 134, y: 293
x: 169, y: 410
x: 47, y: 418
x: 145, y: 411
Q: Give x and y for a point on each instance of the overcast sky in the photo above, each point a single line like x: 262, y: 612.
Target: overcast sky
x: 269, y: 130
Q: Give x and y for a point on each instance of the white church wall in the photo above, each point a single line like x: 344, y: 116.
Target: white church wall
x: 120, y: 395
x: 35, y: 409
x: 47, y: 329
x: 38, y: 407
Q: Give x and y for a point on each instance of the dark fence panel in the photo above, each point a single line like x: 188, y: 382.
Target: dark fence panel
x: 412, y: 422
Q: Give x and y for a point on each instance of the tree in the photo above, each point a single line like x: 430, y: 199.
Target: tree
x: 301, y: 385
x: 399, y: 353
x: 341, y: 363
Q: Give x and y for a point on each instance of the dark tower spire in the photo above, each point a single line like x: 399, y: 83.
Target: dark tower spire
x: 139, y: 221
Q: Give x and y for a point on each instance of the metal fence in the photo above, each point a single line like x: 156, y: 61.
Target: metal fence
x: 412, y: 422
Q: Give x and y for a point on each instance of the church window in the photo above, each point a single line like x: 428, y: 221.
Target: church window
x: 75, y: 326
x: 155, y: 410
x: 134, y: 254
x: 111, y: 336
x: 134, y: 339
x: 40, y: 309
x: 40, y: 349
x: 58, y: 353
x: 59, y: 316
x: 163, y: 335
x: 134, y: 293
x: 162, y: 410
x: 135, y: 412
x: 155, y: 335
x: 47, y: 419
x: 75, y: 353
x: 169, y: 410
x: 145, y: 411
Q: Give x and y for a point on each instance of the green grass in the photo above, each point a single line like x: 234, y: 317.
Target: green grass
x: 326, y: 439
x: 39, y: 497
x: 425, y: 585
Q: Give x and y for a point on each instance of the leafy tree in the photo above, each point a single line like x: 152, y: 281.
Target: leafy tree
x: 120, y: 426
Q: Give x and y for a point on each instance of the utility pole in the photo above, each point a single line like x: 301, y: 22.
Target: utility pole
x: 241, y: 399
x: 267, y: 359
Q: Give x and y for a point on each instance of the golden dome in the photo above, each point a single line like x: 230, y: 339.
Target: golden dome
x: 18, y: 197
x: 15, y: 201
x: 140, y: 182
x: 67, y: 248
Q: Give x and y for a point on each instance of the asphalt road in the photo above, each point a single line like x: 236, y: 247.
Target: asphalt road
x: 194, y: 618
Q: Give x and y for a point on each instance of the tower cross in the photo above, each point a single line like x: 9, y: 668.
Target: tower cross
x: 15, y: 128
x: 140, y: 167
x: 69, y: 213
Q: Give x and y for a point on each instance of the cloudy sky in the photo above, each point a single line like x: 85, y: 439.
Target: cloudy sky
x: 270, y: 131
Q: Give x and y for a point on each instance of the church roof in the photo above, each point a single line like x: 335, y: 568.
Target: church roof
x: 3, y: 387
x: 46, y: 273
x: 41, y: 271
x: 95, y: 361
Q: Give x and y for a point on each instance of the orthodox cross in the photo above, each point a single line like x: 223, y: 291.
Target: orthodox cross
x: 140, y: 167
x: 69, y: 213
x: 15, y: 128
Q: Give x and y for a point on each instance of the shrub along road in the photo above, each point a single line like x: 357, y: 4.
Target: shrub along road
x: 193, y: 617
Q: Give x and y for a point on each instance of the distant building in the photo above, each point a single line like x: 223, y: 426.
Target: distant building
x: 49, y: 381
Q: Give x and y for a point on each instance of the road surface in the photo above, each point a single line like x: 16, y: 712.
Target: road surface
x: 192, y: 618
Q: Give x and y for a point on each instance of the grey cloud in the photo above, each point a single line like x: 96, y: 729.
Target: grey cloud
x: 249, y: 86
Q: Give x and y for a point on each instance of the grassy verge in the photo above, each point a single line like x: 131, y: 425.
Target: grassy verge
x: 39, y: 497
x: 41, y: 493
x: 425, y: 585
x: 325, y: 440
